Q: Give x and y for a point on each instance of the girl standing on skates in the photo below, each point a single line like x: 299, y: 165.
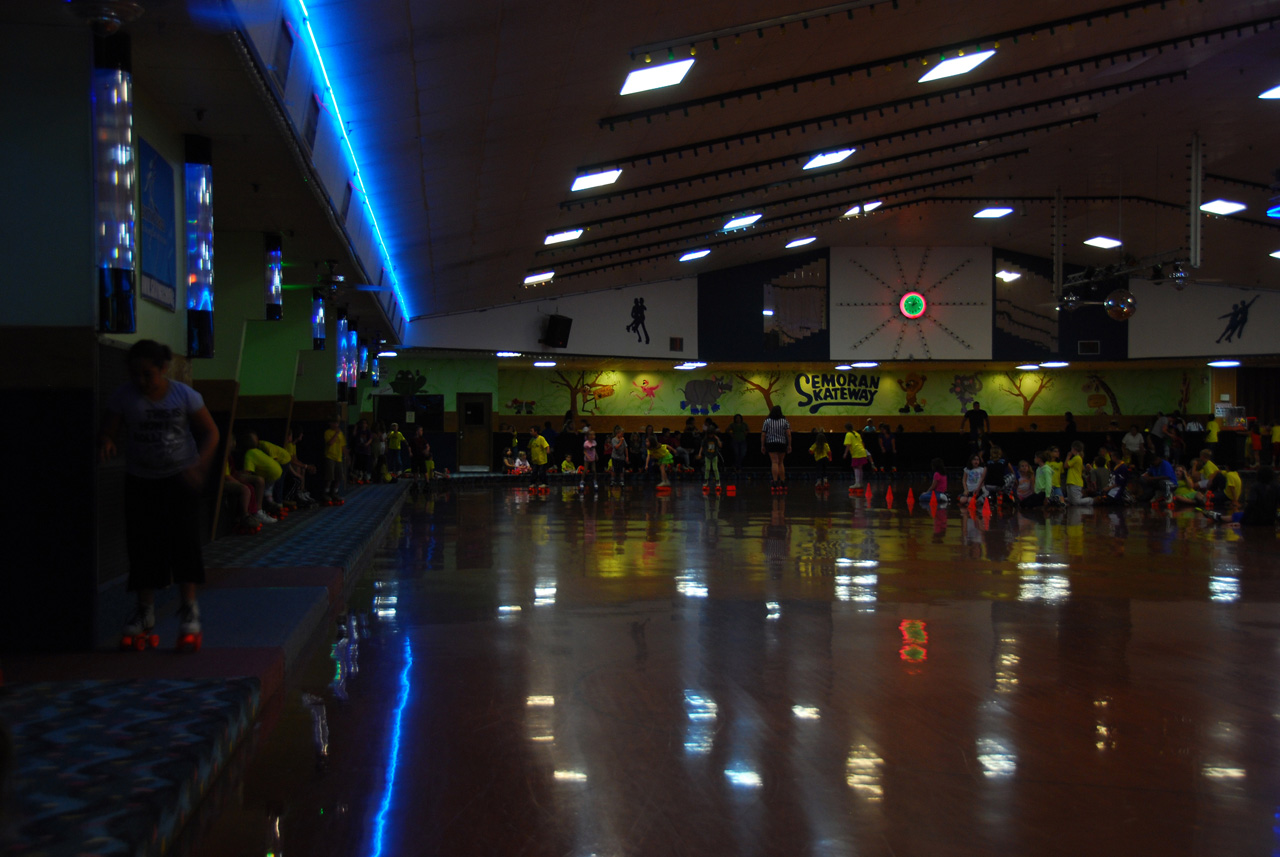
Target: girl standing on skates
x: 169, y: 440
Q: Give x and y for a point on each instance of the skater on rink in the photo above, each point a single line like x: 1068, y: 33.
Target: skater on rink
x: 169, y: 440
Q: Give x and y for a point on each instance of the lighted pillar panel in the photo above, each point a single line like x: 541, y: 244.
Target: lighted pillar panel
x: 199, y: 214
x: 317, y: 320
x: 274, y: 268
x: 341, y: 353
x: 115, y: 176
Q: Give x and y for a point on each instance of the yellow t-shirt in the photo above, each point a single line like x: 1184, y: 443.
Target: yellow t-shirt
x: 1209, y: 470
x: 258, y: 462
x: 538, y: 448
x: 1212, y: 429
x: 1275, y: 433
x: 1056, y: 467
x: 566, y: 466
x: 278, y: 453
x: 292, y: 449
x: 394, y: 440
x: 333, y: 448
x: 821, y: 451
x: 853, y: 443
x: 1233, y: 486
x: 1075, y: 470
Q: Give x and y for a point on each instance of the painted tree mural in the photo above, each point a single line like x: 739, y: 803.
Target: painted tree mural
x: 1015, y: 388
x: 1095, y: 385
x: 766, y: 392
x: 589, y: 393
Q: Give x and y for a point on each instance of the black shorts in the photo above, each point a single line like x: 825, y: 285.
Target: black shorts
x: 776, y: 447
x: 162, y: 531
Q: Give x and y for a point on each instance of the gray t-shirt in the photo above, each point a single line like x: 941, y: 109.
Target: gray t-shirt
x: 157, y: 437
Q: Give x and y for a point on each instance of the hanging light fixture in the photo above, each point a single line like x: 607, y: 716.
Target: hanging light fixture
x: 341, y: 355
x: 115, y: 176
x: 273, y: 296
x: 317, y: 320
x: 198, y: 176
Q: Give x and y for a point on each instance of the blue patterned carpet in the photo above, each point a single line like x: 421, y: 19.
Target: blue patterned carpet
x: 116, y: 767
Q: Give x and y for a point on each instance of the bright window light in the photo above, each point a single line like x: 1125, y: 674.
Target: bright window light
x: 1273, y: 92
x: 843, y: 367
x: 800, y: 242
x: 591, y: 180
x: 740, y: 222
x: 1028, y: 367
x: 957, y: 65
x: 1008, y: 276
x: 656, y: 77
x: 766, y: 312
x: 1223, y: 206
x: 866, y: 364
x: 826, y: 159
x: 1054, y: 364
x: 509, y: 354
x: 694, y: 254
x: 534, y: 279
x: 544, y: 364
x: 382, y: 354
x: 1103, y: 241
x: 559, y: 237
x: 1224, y: 364
x: 992, y: 213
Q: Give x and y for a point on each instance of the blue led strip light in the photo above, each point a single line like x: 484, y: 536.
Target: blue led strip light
x: 393, y: 762
x: 342, y: 128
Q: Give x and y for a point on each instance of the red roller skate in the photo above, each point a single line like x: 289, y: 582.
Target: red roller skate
x: 189, y: 633
x: 139, y: 633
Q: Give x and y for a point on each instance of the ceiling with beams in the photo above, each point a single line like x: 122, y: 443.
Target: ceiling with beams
x: 471, y: 121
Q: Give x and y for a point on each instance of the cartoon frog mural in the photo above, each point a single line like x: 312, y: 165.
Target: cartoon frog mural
x: 911, y: 385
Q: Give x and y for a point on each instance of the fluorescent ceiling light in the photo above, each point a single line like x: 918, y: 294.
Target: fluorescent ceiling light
x: 1224, y: 364
x: 509, y: 354
x: 1054, y: 364
x: 386, y: 354
x: 690, y: 365
x: 1275, y: 255
x: 740, y: 222
x: 843, y: 367
x: 1028, y: 367
x: 1273, y: 92
x: 1008, y: 276
x: 866, y: 364
x: 591, y: 180
x: 992, y: 213
x: 656, y: 77
x: 568, y: 235
x: 767, y: 312
x: 871, y: 206
x: 1274, y: 211
x: 544, y: 364
x: 534, y: 279
x: 957, y: 65
x: 863, y: 208
x: 800, y: 242
x: 694, y: 254
x: 1103, y: 241
x: 1223, y: 206
x: 826, y: 159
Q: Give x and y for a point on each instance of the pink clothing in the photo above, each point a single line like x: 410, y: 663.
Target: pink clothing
x: 588, y: 450
x: 939, y: 483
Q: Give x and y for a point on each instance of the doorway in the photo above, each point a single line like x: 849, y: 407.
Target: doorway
x: 475, y: 431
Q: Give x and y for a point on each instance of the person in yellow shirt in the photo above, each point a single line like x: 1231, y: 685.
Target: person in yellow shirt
x: 335, y: 449
x: 1275, y: 443
x: 856, y: 451
x: 395, y: 443
x: 538, y: 449
x: 260, y: 463
x: 566, y: 466
x: 661, y: 455
x: 1055, y: 465
x: 1206, y: 475
x: 1075, y: 476
x: 821, y: 452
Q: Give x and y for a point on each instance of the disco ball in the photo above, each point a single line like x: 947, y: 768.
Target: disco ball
x: 1120, y: 304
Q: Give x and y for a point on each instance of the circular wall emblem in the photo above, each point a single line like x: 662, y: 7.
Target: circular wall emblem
x: 912, y: 305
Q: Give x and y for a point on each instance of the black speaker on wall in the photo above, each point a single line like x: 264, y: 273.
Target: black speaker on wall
x: 556, y: 334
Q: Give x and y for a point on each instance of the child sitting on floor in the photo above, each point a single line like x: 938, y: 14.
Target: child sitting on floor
x: 937, y: 485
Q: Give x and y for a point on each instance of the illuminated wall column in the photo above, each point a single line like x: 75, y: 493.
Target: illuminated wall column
x: 353, y: 363
x: 115, y: 175
x: 317, y: 320
x: 273, y: 271
x: 340, y: 355
x: 199, y: 217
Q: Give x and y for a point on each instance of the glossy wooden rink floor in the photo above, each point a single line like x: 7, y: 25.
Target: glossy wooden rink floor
x: 634, y: 675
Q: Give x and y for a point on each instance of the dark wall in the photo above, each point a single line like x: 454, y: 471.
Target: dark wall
x: 730, y: 307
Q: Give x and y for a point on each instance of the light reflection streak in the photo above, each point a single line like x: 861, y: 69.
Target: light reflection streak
x: 1224, y: 590
x: 701, y: 730
x: 393, y: 759
x: 1036, y: 587
x: 863, y: 772
x: 996, y: 759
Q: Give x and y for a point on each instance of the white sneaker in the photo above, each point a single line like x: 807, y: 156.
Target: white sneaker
x: 264, y: 517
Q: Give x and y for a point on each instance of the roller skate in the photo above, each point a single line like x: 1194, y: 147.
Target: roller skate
x: 139, y: 631
x: 247, y: 526
x: 189, y: 633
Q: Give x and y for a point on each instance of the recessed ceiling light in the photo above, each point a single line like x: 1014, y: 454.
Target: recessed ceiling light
x: 800, y: 242
x: 534, y: 279
x: 1103, y: 241
x: 1224, y: 364
x: 509, y: 354
x: 826, y: 159
x: 766, y: 312
x: 740, y: 222
x: 656, y: 77
x: 1028, y: 367
x: 992, y: 213
x: 694, y: 254
x: 544, y: 364
x: 591, y: 180
x: 843, y: 367
x: 866, y: 364
x: 1008, y: 276
x: 382, y: 354
x: 1273, y: 92
x: 957, y: 65
x: 559, y: 237
x: 1223, y: 206
x: 1054, y: 364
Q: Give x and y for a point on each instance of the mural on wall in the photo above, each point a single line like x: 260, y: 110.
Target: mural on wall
x: 1208, y: 320
x: 407, y: 383
x: 637, y: 325
x: 871, y: 394
x: 911, y: 303
x: 1236, y: 320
